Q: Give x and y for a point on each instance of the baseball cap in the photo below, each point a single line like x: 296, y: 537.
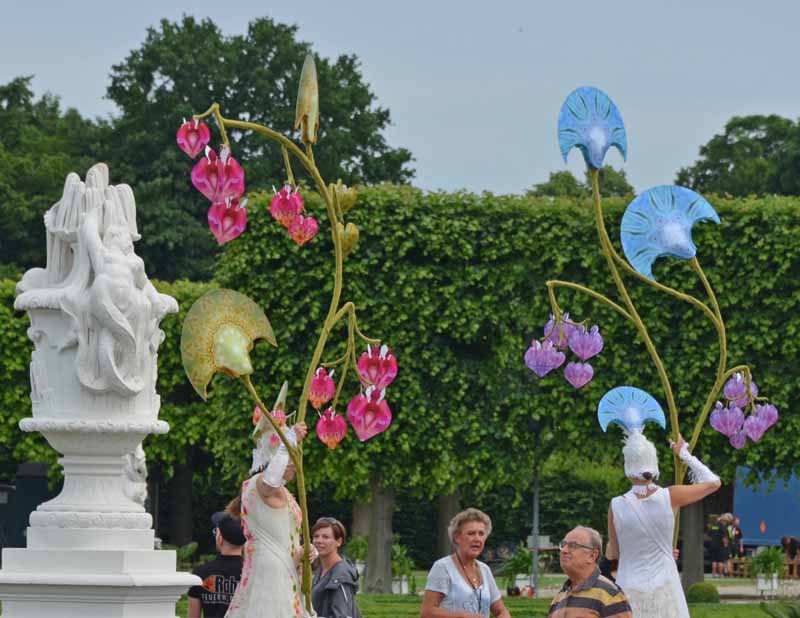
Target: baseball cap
x: 230, y: 527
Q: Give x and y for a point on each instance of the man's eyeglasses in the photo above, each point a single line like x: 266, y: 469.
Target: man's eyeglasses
x: 572, y: 546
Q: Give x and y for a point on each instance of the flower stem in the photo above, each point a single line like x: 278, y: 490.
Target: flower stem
x: 553, y: 283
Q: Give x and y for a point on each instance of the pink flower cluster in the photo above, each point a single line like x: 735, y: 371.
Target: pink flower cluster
x: 368, y: 412
x: 287, y: 208
x: 279, y: 416
x: 545, y: 355
x: 730, y: 420
x: 218, y: 178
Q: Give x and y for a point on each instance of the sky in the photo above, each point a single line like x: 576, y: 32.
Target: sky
x: 474, y: 86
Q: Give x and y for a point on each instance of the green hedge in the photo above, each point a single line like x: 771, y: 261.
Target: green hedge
x: 454, y: 282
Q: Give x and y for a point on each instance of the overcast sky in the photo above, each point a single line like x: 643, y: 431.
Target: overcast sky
x: 474, y: 86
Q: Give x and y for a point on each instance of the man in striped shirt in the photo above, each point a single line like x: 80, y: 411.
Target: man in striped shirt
x: 586, y: 594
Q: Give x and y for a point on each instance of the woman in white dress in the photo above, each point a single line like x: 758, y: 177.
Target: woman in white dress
x: 270, y: 585
x: 641, y: 525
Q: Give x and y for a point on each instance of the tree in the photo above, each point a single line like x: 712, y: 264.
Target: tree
x: 180, y: 69
x: 560, y: 184
x: 564, y: 184
x: 752, y: 156
x: 39, y: 146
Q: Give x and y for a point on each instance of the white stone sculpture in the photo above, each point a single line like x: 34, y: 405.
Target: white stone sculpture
x: 95, y: 326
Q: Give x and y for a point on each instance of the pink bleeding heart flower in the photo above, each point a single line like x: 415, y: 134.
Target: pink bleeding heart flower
x: 377, y: 369
x: 735, y: 390
x: 218, y: 177
x: 728, y: 420
x: 286, y: 206
x: 768, y: 413
x: 755, y: 427
x: 585, y: 343
x: 552, y: 333
x: 227, y: 219
x: 738, y: 440
x: 578, y: 374
x: 331, y: 428
x: 193, y: 136
x: 303, y: 229
x: 322, y: 388
x: 256, y: 415
x: 368, y: 413
x: 542, y: 357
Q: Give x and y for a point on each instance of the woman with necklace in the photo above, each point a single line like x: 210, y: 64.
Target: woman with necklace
x: 460, y: 585
x: 334, y: 587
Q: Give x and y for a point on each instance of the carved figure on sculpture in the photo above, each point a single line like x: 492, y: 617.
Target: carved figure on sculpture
x: 135, y: 472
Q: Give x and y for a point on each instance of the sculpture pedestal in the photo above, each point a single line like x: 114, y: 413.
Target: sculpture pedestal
x: 91, y: 583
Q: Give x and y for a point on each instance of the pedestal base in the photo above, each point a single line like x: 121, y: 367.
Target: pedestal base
x: 47, y: 583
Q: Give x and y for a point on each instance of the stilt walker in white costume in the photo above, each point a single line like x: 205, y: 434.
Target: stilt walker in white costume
x: 641, y: 522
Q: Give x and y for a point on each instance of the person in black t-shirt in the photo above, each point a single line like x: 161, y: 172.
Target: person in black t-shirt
x: 221, y: 575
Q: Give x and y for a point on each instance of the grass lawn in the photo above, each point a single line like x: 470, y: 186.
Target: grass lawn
x: 407, y: 606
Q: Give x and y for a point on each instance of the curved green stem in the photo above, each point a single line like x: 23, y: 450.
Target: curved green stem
x: 553, y: 283
x: 288, y: 165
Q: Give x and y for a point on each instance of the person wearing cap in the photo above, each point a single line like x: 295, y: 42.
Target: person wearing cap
x: 221, y: 576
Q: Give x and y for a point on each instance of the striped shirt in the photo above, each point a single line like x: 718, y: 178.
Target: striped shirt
x: 596, y: 597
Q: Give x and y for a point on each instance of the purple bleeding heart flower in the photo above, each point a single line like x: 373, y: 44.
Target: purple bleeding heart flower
x: 552, y: 332
x: 578, y: 374
x: 735, y: 390
x: 754, y: 427
x: 542, y: 358
x: 727, y: 421
x: 738, y: 440
x: 768, y: 413
x: 585, y: 343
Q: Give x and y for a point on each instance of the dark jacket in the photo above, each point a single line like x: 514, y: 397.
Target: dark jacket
x: 333, y: 595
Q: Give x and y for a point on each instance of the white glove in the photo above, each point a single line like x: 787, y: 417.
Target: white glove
x: 698, y: 471
x: 273, y: 475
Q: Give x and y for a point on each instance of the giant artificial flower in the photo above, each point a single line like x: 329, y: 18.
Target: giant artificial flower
x: 369, y: 413
x: 578, y: 374
x: 585, y: 343
x: 218, y: 177
x: 193, y: 136
x: 377, y: 368
x: 630, y: 408
x: 590, y: 121
x: 306, y: 114
x: 331, y: 428
x: 735, y: 390
x: 227, y: 219
x: 286, y: 205
x: 659, y: 222
x: 302, y: 229
x: 553, y: 330
x: 542, y: 357
x: 322, y: 388
x: 218, y: 334
x: 727, y: 420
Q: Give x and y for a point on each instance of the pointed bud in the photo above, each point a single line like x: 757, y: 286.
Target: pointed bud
x: 306, y: 117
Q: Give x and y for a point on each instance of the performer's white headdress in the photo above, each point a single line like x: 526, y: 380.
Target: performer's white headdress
x: 631, y: 408
x: 265, y: 438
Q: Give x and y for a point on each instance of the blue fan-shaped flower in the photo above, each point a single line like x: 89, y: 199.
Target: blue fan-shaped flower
x: 630, y: 408
x: 589, y: 120
x: 659, y: 222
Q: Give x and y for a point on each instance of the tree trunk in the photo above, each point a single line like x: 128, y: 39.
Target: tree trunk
x: 360, y: 525
x: 535, y: 532
x: 180, y: 497
x: 448, y: 506
x: 692, y: 545
x: 379, y: 556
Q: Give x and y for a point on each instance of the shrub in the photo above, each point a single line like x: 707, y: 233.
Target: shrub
x: 702, y: 592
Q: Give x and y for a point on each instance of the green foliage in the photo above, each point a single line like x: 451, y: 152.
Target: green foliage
x: 403, y: 565
x: 39, y: 145
x: 455, y: 284
x: 184, y: 555
x: 702, y: 592
x: 768, y: 562
x: 564, y: 184
x: 518, y: 563
x: 179, y: 70
x: 357, y: 546
x: 755, y: 155
x: 781, y: 610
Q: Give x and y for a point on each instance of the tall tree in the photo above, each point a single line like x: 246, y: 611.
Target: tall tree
x: 39, y: 145
x: 564, y: 184
x: 613, y: 182
x: 180, y: 69
x: 752, y: 155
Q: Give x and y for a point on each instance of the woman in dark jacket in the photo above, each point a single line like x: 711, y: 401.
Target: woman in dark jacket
x: 335, y: 582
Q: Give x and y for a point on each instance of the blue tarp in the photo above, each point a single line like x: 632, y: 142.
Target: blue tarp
x: 767, y: 515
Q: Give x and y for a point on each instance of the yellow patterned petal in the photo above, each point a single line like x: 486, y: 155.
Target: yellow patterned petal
x: 218, y: 334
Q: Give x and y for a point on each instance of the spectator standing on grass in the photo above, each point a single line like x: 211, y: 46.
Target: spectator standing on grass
x: 220, y: 576
x: 335, y: 582
x: 460, y: 585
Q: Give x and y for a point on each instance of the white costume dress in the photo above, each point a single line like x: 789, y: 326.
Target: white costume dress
x: 270, y: 586
x: 647, y: 572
